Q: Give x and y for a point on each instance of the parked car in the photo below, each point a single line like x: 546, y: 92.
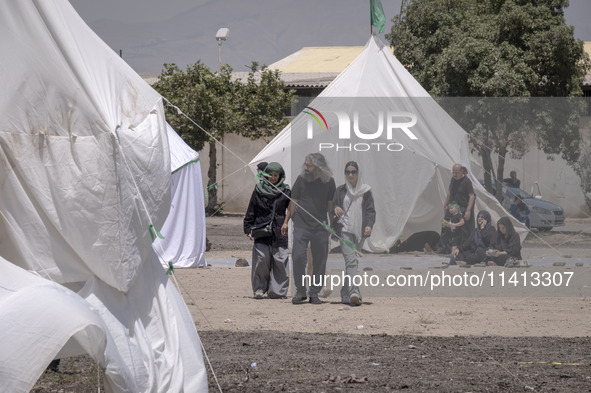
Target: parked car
x: 543, y: 215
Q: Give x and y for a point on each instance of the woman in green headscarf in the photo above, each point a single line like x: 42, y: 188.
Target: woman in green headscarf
x: 268, y: 204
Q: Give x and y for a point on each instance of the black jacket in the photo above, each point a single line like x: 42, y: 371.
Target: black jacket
x: 259, y: 211
x: 367, y: 206
x: 511, y: 243
x: 489, y: 237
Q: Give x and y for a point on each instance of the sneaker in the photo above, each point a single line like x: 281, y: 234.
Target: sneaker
x: 258, y: 294
x: 346, y: 300
x: 298, y: 299
x: 511, y: 262
x: 356, y: 300
x: 315, y: 300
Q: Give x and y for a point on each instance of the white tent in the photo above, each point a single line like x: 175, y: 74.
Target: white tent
x: 184, y: 228
x: 84, y: 182
x: 377, y: 114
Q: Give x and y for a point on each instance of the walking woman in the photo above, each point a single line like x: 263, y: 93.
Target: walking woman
x: 268, y: 205
x: 356, y: 215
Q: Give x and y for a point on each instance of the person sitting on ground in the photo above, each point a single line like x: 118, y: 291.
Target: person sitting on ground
x: 473, y: 249
x: 519, y: 210
x: 452, y: 229
x: 512, y: 181
x: 507, y: 245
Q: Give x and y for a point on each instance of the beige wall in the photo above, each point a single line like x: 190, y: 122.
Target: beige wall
x: 235, y: 179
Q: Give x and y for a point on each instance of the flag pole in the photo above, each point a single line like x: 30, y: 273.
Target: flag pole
x: 370, y: 25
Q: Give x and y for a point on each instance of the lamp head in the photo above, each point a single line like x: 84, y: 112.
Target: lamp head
x: 222, y: 34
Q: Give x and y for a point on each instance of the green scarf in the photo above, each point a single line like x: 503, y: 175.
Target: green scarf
x: 264, y: 186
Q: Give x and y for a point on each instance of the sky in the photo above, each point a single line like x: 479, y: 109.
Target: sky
x: 153, y: 32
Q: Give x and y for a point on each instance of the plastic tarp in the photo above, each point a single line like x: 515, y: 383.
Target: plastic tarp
x: 184, y: 228
x: 409, y: 186
x: 84, y: 185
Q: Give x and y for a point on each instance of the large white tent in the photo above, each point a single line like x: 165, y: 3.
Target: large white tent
x: 84, y: 186
x: 183, y: 232
x: 407, y: 163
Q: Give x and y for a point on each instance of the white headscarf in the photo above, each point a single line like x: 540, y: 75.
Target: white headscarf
x: 354, y: 216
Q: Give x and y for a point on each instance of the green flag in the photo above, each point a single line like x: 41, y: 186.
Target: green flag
x: 376, y: 13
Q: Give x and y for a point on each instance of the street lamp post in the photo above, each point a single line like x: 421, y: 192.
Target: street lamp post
x: 221, y: 35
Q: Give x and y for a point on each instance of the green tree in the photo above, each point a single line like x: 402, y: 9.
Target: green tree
x: 220, y: 104
x: 496, y: 48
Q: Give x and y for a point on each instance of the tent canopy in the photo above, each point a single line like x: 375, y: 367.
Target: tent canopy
x: 377, y: 114
x: 184, y: 229
x: 84, y: 183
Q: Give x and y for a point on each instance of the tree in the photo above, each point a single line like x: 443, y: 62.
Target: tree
x: 219, y: 104
x: 497, y: 48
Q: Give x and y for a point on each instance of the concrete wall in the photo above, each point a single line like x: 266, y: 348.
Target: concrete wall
x: 558, y: 182
x: 235, y: 180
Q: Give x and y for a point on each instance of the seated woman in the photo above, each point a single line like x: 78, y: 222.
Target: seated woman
x: 473, y: 249
x: 507, y: 244
x: 520, y: 211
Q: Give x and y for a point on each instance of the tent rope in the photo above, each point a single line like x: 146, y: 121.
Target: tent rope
x: 231, y: 198
x: 180, y: 112
x: 136, y: 186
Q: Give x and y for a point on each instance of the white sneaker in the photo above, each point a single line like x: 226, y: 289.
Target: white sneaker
x: 258, y: 294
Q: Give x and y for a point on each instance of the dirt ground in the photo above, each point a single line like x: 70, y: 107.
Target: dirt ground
x: 390, y: 343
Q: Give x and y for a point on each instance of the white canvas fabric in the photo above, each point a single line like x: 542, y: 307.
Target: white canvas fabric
x: 184, y: 228
x: 68, y: 323
x: 410, y: 186
x: 84, y: 175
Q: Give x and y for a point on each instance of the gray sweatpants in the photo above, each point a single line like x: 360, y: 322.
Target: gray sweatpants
x: 269, y: 270
x: 351, y: 265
